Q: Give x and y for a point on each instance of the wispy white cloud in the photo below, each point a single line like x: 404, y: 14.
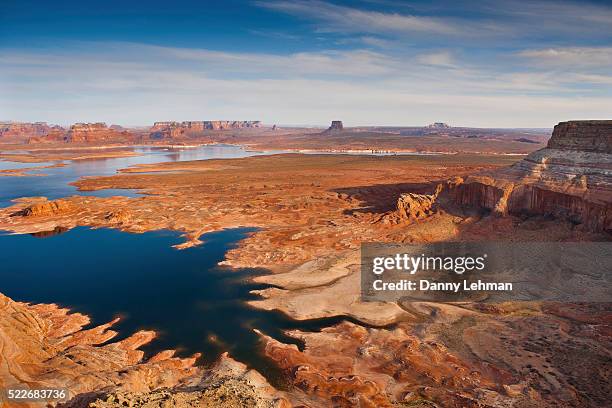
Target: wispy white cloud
x: 561, y: 15
x: 280, y: 35
x: 488, y: 20
x: 347, y: 63
x: 562, y: 57
x: 440, y: 58
x: 375, y: 41
x: 138, y: 84
x: 349, y: 19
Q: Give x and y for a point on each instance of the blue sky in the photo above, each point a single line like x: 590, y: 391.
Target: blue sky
x: 504, y: 63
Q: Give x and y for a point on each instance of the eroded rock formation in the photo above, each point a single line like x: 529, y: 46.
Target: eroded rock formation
x: 571, y: 178
x: 586, y: 135
x: 314, y: 211
x: 336, y: 126
x: 46, y: 208
x: 94, y: 132
x: 503, y: 355
x: 45, y: 346
x: 21, y: 131
x: 171, y: 130
x: 413, y: 206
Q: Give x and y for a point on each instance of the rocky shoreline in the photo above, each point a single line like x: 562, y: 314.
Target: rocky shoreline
x: 313, y: 211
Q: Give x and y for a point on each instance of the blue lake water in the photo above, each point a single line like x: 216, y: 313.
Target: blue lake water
x: 56, y: 182
x: 194, y: 305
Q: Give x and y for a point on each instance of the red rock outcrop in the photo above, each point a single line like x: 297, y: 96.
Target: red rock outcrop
x: 470, y: 356
x: 40, y: 132
x: 45, y: 346
x: 55, y: 135
x: 171, y: 130
x: 413, y: 206
x: 94, y: 132
x: 571, y: 178
x: 46, y: 208
x: 20, y: 132
x: 586, y: 136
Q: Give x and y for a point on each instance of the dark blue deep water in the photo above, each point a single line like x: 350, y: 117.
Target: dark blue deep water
x: 194, y: 305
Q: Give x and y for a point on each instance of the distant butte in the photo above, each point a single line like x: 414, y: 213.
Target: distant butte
x: 438, y: 125
x: 335, y: 126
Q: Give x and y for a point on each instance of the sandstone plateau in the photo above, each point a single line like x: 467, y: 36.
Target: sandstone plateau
x: 254, y: 135
x: 313, y: 211
x: 95, y: 133
x: 21, y: 132
x: 570, y: 178
x: 171, y: 130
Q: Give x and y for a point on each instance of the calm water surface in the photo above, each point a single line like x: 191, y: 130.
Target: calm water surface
x: 56, y: 182
x: 194, y: 305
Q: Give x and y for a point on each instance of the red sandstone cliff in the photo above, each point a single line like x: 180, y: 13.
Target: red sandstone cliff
x: 172, y: 130
x: 21, y: 132
x: 571, y: 178
x: 95, y: 132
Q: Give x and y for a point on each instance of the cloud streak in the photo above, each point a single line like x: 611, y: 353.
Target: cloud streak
x: 571, y: 57
x: 348, y: 19
x: 137, y: 84
x: 501, y: 20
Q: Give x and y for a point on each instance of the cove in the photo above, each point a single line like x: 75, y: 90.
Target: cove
x: 194, y: 305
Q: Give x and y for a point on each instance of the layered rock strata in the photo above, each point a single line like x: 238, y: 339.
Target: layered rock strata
x: 22, y: 131
x: 170, y: 130
x: 46, y: 208
x: 45, y: 346
x: 94, y: 132
x: 413, y: 206
x: 502, y: 355
x: 571, y: 178
x: 314, y: 211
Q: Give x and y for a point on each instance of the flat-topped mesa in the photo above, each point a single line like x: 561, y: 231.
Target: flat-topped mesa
x: 571, y: 178
x: 22, y: 131
x: 171, y: 129
x: 93, y: 132
x: 583, y: 135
